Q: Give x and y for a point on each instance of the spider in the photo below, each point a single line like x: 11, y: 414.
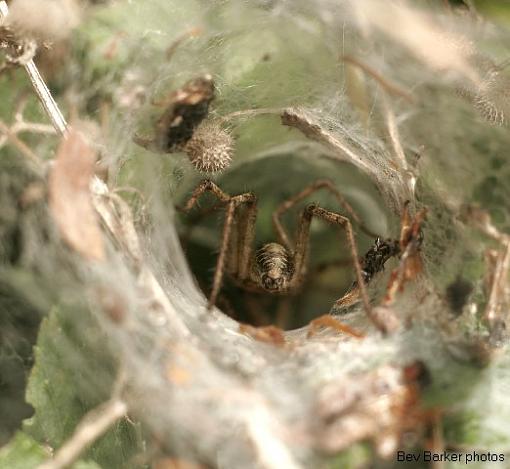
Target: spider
x: 280, y: 267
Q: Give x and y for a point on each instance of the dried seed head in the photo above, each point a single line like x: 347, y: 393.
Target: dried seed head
x: 45, y: 21
x: 210, y: 149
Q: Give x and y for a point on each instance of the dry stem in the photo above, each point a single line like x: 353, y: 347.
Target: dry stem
x: 92, y: 426
x: 10, y: 133
x: 19, y: 144
x: 499, y: 282
x: 295, y: 117
x: 247, y: 113
x: 498, y: 295
x: 388, y: 86
x: 47, y: 101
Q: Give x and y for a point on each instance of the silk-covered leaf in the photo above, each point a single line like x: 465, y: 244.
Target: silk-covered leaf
x: 73, y: 374
x: 70, y: 198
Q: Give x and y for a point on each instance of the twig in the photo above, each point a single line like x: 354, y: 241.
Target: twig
x: 193, y: 32
x: 394, y: 134
x: 247, y: 113
x: 390, y: 87
x: 10, y: 133
x: 498, y: 282
x: 483, y: 221
x: 271, y: 451
x: 398, y: 149
x: 395, y: 188
x: 19, y: 144
x: 92, y: 426
x: 33, y: 127
x: 47, y: 101
x: 297, y: 118
x: 494, y: 305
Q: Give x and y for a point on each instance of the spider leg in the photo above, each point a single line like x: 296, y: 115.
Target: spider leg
x: 194, y: 221
x: 313, y: 187
x: 301, y: 252
x: 231, y: 202
x: 246, y: 235
x: 222, y: 257
x: 206, y: 186
x: 328, y: 321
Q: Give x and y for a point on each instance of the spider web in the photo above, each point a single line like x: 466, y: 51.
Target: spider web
x: 204, y: 388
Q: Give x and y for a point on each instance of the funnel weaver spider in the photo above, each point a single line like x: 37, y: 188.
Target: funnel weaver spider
x: 280, y: 268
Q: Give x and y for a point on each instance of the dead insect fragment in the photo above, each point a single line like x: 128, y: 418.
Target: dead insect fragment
x: 380, y: 406
x: 411, y: 264
x: 70, y: 199
x: 186, y: 108
x: 268, y: 334
x: 331, y: 322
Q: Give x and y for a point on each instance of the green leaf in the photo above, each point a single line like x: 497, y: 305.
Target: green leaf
x: 23, y: 452
x: 73, y: 374
x: 357, y: 455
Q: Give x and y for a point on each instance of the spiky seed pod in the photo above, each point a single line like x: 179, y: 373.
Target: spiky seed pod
x: 56, y: 24
x: 211, y: 148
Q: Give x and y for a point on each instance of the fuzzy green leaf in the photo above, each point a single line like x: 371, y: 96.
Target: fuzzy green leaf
x: 62, y: 393
x: 23, y: 452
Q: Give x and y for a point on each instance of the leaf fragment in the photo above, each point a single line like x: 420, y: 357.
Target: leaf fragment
x: 70, y: 199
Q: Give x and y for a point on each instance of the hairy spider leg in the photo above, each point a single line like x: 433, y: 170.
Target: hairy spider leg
x: 245, y: 239
x: 198, y: 216
x: 246, y: 235
x: 301, y: 251
x: 310, y: 189
x: 331, y: 322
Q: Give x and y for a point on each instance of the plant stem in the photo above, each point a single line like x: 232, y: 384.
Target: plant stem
x: 92, y: 426
x: 47, y: 101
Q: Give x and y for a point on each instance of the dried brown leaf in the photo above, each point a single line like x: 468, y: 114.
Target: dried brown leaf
x: 380, y: 406
x: 70, y: 199
x: 269, y: 334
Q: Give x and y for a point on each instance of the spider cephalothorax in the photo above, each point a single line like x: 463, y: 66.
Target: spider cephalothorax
x: 274, y: 267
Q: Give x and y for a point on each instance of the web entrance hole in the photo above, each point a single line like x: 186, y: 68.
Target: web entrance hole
x: 274, y: 178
